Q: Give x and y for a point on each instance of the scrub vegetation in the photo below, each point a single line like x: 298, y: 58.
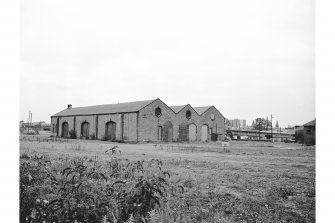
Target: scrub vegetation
x: 98, y: 181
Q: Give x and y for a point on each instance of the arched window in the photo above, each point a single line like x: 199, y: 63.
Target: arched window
x: 158, y: 111
x: 188, y: 114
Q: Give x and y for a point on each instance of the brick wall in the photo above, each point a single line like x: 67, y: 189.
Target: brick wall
x: 181, y: 121
x: 129, y: 125
x: 104, y: 119
x: 143, y: 125
x: 148, y: 122
x: 217, y: 125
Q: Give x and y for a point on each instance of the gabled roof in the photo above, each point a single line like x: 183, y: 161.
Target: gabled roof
x: 177, y: 108
x: 311, y: 123
x: 105, y: 109
x: 201, y: 110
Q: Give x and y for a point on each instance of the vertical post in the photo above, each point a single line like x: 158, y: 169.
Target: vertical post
x: 225, y: 127
x: 96, y: 126
x: 137, y: 117
x: 259, y: 131
x: 57, y: 126
x: 74, y: 125
x: 122, y: 126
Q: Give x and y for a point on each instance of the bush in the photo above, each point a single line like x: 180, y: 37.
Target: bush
x: 72, y: 134
x: 104, y: 138
x: 92, y: 136
x: 84, y: 190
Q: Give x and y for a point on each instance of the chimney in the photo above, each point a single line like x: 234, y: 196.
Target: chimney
x: 69, y: 106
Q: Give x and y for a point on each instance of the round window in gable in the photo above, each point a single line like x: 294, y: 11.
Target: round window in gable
x: 188, y: 114
x: 158, y: 111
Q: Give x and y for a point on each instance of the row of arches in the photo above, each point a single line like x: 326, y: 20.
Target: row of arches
x: 110, y: 130
x: 186, y: 132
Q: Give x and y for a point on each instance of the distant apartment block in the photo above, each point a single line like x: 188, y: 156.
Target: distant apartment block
x: 238, y: 123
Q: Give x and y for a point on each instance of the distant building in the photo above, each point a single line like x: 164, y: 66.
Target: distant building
x: 306, y: 134
x: 292, y: 130
x: 238, y: 124
x: 243, y: 124
x: 46, y: 126
x: 36, y: 125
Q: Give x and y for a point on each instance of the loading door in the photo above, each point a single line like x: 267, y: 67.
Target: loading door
x: 65, y: 129
x: 110, y: 131
x: 183, y: 132
x: 168, y: 132
x: 85, y: 130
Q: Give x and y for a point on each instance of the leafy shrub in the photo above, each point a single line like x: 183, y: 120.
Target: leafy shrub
x: 104, y: 138
x: 72, y: 134
x: 84, y: 190
x: 92, y: 136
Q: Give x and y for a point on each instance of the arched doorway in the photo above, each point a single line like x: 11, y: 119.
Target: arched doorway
x: 110, y: 131
x: 192, y: 132
x: 85, y: 130
x: 183, y: 132
x: 160, y: 133
x: 168, y: 132
x: 204, y: 133
x: 65, y: 129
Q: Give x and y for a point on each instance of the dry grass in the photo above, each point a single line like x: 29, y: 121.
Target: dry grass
x: 250, y: 181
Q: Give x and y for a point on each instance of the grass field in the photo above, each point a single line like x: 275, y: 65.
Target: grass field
x: 246, y: 182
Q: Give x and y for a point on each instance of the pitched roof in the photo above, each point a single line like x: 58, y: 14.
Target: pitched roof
x: 177, y: 108
x: 201, y: 110
x: 311, y: 123
x: 105, y: 109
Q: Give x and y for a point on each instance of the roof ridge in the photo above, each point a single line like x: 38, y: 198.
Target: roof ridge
x: 114, y: 103
x: 133, y: 106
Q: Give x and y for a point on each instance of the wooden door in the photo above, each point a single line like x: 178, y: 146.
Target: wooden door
x: 183, y: 132
x: 110, y: 130
x: 168, y: 132
x: 85, y: 130
x: 65, y: 129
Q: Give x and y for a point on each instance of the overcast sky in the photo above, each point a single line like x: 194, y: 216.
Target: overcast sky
x: 248, y: 58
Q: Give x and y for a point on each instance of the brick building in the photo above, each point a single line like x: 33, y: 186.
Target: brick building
x: 306, y: 133
x: 140, y: 121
